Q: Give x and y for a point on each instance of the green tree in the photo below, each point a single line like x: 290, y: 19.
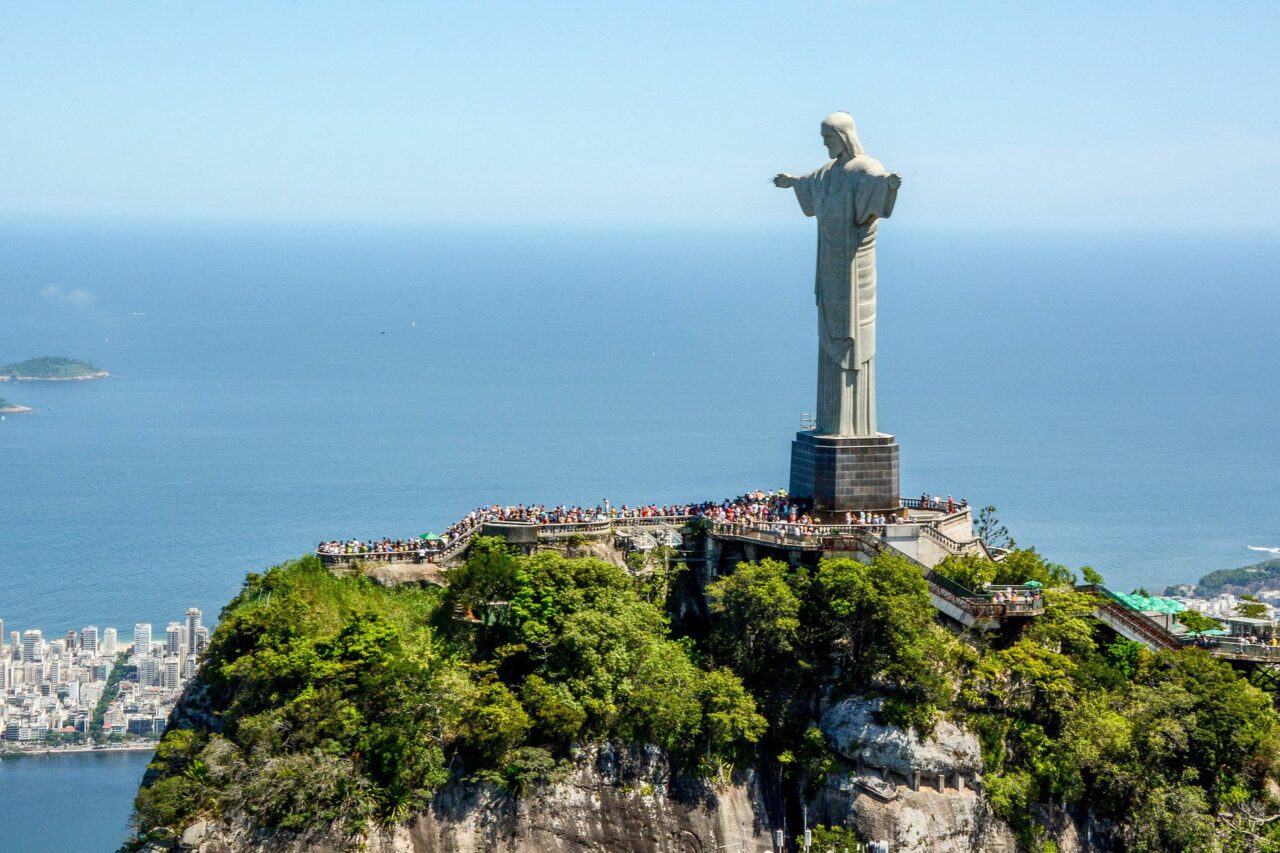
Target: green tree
x: 989, y: 529
x: 868, y: 615
x: 1092, y: 576
x: 1251, y: 608
x: 557, y: 716
x: 109, y: 693
x: 1126, y: 656
x: 1196, y: 622
x: 493, y: 724
x: 486, y: 579
x: 836, y: 838
x: 972, y: 571
x: 730, y: 724
x: 756, y: 614
x: 1021, y: 565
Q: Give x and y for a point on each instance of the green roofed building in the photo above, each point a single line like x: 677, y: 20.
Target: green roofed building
x: 1151, y: 603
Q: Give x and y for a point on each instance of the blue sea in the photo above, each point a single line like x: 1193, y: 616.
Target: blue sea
x: 1114, y: 395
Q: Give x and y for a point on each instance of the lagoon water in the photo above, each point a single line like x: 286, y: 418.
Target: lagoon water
x: 1114, y: 395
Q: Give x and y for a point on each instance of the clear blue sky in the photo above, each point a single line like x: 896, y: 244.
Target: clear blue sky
x: 1023, y: 114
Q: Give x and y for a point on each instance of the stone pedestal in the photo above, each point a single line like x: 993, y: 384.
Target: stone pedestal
x: 842, y: 473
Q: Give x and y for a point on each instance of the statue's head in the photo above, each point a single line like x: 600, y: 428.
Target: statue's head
x: 840, y: 135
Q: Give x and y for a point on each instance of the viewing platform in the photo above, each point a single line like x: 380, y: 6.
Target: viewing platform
x: 1157, y: 631
x: 924, y: 531
x: 927, y: 532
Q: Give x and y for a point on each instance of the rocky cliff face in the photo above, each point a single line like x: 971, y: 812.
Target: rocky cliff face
x: 922, y: 794
x: 611, y: 801
x: 618, y: 800
x: 916, y: 793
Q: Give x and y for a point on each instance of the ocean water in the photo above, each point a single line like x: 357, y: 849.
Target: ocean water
x: 1114, y: 395
x: 69, y: 803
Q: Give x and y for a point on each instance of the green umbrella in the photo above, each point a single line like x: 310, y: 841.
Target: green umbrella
x: 430, y: 537
x: 1035, y: 584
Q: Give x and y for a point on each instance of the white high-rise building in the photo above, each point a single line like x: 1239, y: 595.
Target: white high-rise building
x: 193, y: 625
x: 32, y: 645
x: 202, y: 639
x: 71, y: 640
x: 149, y: 671
x: 142, y: 638
x: 15, y: 645
x: 173, y: 638
x: 33, y: 671
x: 89, y: 639
x: 110, y: 639
x: 172, y: 674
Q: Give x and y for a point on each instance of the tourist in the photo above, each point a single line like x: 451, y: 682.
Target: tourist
x: 773, y: 512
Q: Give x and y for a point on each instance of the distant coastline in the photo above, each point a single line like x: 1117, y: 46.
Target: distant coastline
x: 130, y: 746
x: 8, y: 408
x: 50, y: 369
x: 84, y: 377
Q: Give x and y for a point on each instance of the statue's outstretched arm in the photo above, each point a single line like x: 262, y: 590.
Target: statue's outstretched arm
x: 891, y: 195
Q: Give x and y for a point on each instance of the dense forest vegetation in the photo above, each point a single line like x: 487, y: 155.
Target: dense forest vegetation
x: 48, y: 367
x: 1259, y: 576
x: 340, y: 702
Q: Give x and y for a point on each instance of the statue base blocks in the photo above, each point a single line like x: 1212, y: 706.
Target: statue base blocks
x: 840, y: 472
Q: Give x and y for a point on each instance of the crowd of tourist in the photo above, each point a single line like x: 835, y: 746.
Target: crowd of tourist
x: 1016, y: 596
x: 773, y: 510
x: 377, y: 547
x: 1269, y: 645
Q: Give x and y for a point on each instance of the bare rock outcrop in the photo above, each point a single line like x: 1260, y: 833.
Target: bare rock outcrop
x: 612, y: 800
x: 853, y: 731
x: 917, y: 793
x: 923, y: 821
x: 615, y: 799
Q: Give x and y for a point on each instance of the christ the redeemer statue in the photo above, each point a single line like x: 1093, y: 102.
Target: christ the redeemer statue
x: 849, y: 194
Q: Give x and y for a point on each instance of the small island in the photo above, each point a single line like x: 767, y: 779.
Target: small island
x: 50, y: 368
x: 7, y: 408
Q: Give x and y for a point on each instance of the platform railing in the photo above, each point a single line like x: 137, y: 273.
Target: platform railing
x: 1016, y: 599
x: 1112, y: 606
x: 931, y: 505
x: 556, y: 532
x: 962, y: 597
x: 1235, y: 647
x: 650, y: 520
x: 343, y: 558
x: 773, y: 533
x: 789, y: 534
x: 952, y: 546
x: 780, y: 533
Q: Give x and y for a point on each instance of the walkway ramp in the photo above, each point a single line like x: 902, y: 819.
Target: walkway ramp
x: 1116, y: 614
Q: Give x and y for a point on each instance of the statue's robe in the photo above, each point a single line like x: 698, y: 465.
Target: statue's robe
x: 847, y: 199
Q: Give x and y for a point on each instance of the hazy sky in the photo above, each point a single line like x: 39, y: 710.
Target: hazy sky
x: 1023, y: 113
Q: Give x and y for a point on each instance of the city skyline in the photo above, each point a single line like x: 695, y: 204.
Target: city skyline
x: 56, y: 691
